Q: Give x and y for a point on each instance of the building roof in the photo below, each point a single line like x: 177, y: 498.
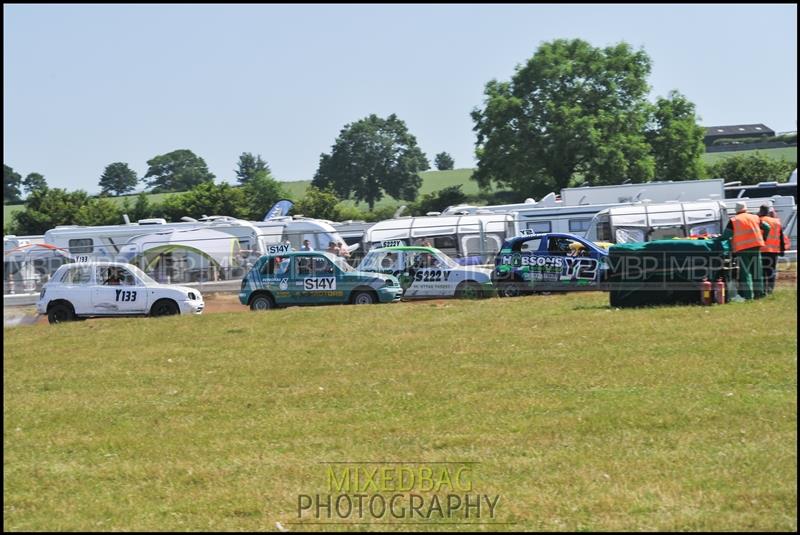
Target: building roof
x: 738, y: 130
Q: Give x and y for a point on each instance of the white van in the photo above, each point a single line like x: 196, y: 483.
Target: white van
x: 469, y: 239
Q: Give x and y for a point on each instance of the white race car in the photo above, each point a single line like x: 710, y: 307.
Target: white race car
x: 428, y: 272
x: 78, y: 291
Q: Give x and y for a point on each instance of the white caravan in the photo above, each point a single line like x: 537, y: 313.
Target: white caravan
x: 574, y: 210
x: 105, y: 242
x: 646, y: 221
x: 296, y: 230
x: 470, y: 239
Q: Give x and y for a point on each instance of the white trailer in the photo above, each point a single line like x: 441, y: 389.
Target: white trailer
x: 642, y: 222
x: 573, y: 211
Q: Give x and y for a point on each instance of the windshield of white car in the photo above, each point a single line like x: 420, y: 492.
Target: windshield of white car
x: 446, y: 261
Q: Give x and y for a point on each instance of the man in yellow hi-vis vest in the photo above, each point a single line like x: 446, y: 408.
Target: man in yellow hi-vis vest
x: 747, y: 234
x: 774, y: 245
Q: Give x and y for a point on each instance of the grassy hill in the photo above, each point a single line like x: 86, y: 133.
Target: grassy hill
x: 579, y: 416
x: 433, y: 181
x: 787, y: 153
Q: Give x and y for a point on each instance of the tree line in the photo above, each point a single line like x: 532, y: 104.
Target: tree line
x: 572, y: 115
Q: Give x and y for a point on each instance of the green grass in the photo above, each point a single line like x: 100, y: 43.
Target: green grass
x: 582, y: 417
x: 787, y: 153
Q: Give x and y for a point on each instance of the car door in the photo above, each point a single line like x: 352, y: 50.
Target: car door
x: 578, y: 269
x: 429, y: 276
x: 275, y: 275
x: 316, y: 280
x: 116, y: 290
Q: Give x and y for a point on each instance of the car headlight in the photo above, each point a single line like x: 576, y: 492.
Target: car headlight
x: 192, y: 296
x: 389, y: 282
x: 41, y: 295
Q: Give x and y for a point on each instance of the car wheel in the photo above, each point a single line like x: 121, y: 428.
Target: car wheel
x: 469, y: 290
x: 509, y: 289
x: 261, y: 302
x: 60, y: 313
x: 164, y: 307
x: 363, y: 298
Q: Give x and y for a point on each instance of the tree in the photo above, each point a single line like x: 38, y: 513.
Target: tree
x: 11, y: 184
x: 100, y: 211
x: 751, y: 168
x: 444, y: 161
x: 676, y: 139
x: 249, y: 166
x: 206, y: 198
x: 572, y: 111
x: 46, y: 208
x: 33, y: 182
x: 118, y: 178
x: 438, y: 201
x: 317, y: 203
x: 260, y: 193
x: 179, y: 170
x: 370, y: 158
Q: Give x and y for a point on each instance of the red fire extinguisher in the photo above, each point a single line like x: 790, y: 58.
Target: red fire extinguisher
x: 719, y: 292
x: 705, y: 292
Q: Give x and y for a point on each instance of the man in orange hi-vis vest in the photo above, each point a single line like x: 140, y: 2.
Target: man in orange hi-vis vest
x: 747, y: 234
x: 774, y: 245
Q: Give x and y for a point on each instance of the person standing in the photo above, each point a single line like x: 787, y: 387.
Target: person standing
x: 747, y: 233
x: 774, y: 245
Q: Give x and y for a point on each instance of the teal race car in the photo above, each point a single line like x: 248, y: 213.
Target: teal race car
x: 313, y: 278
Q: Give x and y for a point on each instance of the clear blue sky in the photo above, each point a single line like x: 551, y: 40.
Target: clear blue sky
x: 87, y: 85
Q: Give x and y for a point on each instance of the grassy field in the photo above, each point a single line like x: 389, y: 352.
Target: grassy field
x: 580, y: 416
x: 788, y: 153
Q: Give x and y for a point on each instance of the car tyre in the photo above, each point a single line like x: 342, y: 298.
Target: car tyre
x: 262, y: 302
x: 364, y: 298
x: 164, y: 307
x: 469, y: 290
x: 509, y: 289
x: 60, y: 313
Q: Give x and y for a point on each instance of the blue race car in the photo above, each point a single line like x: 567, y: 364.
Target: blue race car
x: 552, y: 262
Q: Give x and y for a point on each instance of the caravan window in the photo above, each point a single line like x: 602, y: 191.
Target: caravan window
x: 707, y: 228
x: 579, y: 225
x: 629, y: 235
x: 81, y: 245
x: 539, y: 227
x: 471, y: 245
x: 603, y: 231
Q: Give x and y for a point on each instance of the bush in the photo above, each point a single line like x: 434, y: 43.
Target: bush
x: 751, y: 168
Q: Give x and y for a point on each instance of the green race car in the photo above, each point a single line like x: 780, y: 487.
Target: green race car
x: 313, y: 278
x: 426, y: 272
